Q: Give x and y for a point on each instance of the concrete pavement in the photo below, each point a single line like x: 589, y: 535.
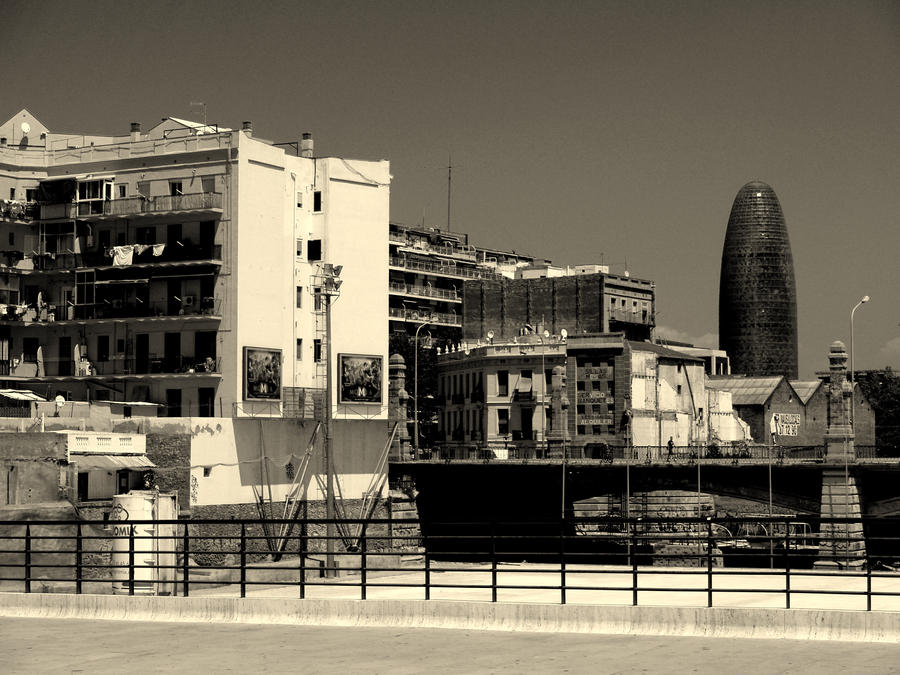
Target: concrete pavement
x: 98, y: 647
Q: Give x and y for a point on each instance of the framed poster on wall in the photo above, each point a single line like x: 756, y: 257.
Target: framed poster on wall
x: 360, y: 378
x: 262, y: 374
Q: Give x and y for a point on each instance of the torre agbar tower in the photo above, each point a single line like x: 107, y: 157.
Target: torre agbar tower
x: 757, y: 291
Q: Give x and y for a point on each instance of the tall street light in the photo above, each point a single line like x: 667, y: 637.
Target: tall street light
x: 864, y: 299
x: 416, y: 389
x: 327, y: 280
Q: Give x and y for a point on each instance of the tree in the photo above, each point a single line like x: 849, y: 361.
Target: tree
x: 882, y: 389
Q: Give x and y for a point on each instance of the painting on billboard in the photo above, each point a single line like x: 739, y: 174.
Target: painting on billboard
x: 361, y: 378
x: 262, y: 374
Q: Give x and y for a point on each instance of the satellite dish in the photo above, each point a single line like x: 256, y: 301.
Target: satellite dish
x: 26, y: 128
x: 490, y: 335
x: 546, y: 333
x: 564, y: 333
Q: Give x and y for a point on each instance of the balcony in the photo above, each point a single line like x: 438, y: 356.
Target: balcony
x: 433, y: 318
x: 416, y: 265
x: 518, y: 435
x: 134, y: 207
x: 195, y: 308
x: 626, y: 316
x: 425, y: 292
x: 115, y: 366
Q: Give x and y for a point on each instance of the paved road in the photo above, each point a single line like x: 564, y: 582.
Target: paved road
x: 75, y: 646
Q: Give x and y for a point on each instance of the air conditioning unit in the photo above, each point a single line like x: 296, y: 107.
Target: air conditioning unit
x: 189, y: 300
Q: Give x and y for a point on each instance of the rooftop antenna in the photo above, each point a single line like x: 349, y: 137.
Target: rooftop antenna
x: 202, y: 106
x: 449, y: 178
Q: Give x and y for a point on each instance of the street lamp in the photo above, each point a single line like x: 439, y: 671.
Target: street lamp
x: 864, y: 299
x: 416, y: 389
x: 329, y: 284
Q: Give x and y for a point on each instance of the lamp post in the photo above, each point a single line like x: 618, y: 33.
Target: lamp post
x: 416, y: 389
x: 863, y: 300
x: 330, y: 288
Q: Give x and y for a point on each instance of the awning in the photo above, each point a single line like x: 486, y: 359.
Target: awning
x: 91, y: 462
x: 20, y: 395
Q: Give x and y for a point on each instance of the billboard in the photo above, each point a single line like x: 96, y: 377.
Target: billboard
x: 360, y: 378
x: 262, y: 374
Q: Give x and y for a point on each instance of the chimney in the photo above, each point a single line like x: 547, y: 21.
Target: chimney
x: 306, y: 145
x: 248, y: 128
x: 135, y: 131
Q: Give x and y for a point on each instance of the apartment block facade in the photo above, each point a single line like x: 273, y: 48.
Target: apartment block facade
x: 185, y: 266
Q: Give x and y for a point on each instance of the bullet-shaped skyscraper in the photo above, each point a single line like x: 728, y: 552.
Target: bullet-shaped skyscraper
x: 757, y: 291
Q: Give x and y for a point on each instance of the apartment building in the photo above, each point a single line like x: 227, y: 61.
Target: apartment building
x: 428, y: 268
x: 191, y: 266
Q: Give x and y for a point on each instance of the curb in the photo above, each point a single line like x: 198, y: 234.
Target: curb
x: 791, y: 624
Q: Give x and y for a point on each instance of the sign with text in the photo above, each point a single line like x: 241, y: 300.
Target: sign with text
x: 785, y: 424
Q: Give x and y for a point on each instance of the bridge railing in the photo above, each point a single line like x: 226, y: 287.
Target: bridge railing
x: 604, y: 453
x: 791, y: 561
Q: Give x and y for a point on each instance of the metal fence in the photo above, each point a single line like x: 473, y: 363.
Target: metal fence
x: 593, y: 560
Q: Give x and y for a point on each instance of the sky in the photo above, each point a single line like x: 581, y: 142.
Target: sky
x: 582, y: 132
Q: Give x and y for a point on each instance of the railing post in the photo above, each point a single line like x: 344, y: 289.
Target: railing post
x: 78, y: 547
x: 185, y: 562
x: 709, y: 563
x: 493, y: 562
x: 362, y: 563
x: 130, y: 559
x: 27, y: 558
x: 243, y: 560
x: 787, y: 566
x: 427, y: 575
x: 634, y: 565
x: 562, y: 561
x: 302, y: 553
x: 868, y: 570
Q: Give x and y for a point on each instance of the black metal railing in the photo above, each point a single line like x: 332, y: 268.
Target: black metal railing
x: 798, y: 560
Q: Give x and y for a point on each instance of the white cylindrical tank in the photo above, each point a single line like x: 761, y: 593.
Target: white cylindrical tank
x: 154, y: 543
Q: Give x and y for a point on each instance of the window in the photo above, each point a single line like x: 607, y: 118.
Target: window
x: 502, y: 422
x: 678, y: 389
x: 122, y: 190
x: 145, y: 235
x: 299, y: 297
x: 30, y: 194
x: 502, y: 383
x: 30, y: 350
x: 317, y: 201
x: 299, y: 248
x: 12, y: 238
x: 317, y: 350
x: 208, y: 183
x: 103, y: 348
x: 206, y: 398
x: 175, y: 188
x: 317, y: 299
x: 120, y: 346
x: 299, y: 349
x: 173, y: 402
x: 12, y: 193
x: 299, y: 199
x: 314, y: 249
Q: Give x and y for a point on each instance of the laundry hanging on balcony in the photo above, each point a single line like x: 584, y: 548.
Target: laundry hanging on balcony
x: 122, y: 255
x: 158, y: 249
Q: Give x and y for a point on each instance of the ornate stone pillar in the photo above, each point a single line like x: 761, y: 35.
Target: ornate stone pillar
x: 398, y: 408
x: 840, y: 544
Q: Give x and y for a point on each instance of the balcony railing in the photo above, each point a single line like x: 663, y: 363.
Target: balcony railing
x: 415, y: 265
x: 211, y: 307
x: 147, y: 365
x: 420, y: 315
x: 445, y: 250
x: 425, y: 291
x: 628, y: 316
x: 133, y: 206
x: 523, y: 395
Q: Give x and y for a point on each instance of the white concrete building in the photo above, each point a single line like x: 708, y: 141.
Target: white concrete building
x: 183, y: 266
